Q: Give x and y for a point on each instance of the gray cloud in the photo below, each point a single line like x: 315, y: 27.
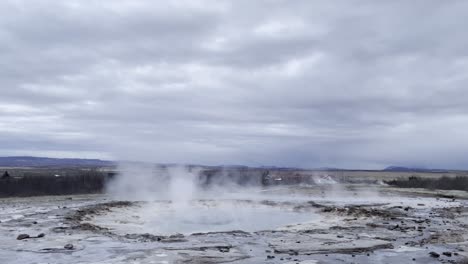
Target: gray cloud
x: 289, y: 83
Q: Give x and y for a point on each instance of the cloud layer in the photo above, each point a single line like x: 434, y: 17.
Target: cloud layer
x: 357, y: 84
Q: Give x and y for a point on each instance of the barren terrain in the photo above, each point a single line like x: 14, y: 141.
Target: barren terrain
x: 331, y: 223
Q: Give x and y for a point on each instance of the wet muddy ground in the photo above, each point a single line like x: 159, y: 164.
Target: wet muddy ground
x: 297, y: 224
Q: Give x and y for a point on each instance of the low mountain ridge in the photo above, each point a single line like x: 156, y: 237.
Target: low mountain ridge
x: 410, y: 169
x: 27, y: 161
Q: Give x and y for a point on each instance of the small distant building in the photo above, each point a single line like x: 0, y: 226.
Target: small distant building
x: 6, y: 175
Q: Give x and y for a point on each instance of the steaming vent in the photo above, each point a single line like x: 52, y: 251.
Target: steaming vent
x: 175, y: 199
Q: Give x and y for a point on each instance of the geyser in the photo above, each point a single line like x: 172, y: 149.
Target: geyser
x: 176, y: 200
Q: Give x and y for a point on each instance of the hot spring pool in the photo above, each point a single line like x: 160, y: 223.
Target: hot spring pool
x: 165, y: 218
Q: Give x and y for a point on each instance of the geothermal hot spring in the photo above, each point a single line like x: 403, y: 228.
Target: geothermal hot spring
x: 182, y: 206
x: 168, y: 218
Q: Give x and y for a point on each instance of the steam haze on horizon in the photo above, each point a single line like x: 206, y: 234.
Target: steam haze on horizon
x: 350, y: 84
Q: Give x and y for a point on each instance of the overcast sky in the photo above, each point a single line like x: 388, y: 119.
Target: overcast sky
x: 355, y: 84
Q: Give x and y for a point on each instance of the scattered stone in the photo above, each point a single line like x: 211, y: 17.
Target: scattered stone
x: 434, y: 254
x: 23, y: 236
x: 448, y: 254
x: 41, y: 235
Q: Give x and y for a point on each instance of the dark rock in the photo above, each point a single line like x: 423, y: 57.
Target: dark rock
x: 41, y: 235
x: 448, y: 254
x: 60, y: 229
x: 23, y: 236
x: 434, y: 254
x: 224, y: 249
x: 144, y: 237
x: 173, y: 238
x: 238, y: 233
x: 69, y: 246
x: 90, y: 227
x: 411, y: 243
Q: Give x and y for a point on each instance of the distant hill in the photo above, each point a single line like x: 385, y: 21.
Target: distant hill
x: 27, y: 161
x: 408, y: 169
x: 52, y: 162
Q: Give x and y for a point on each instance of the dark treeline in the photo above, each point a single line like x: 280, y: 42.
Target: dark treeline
x: 81, y: 182
x: 443, y: 183
x: 253, y: 177
x: 67, y: 181
x: 239, y: 176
